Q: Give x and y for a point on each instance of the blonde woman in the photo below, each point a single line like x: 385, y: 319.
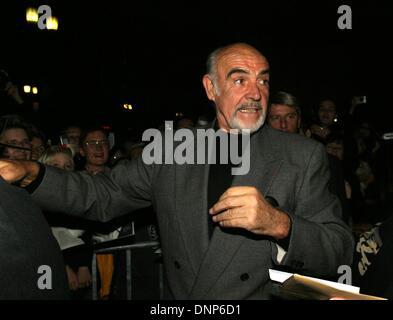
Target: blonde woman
x: 76, y: 257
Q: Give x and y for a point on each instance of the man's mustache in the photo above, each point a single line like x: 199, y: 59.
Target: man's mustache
x: 250, y: 105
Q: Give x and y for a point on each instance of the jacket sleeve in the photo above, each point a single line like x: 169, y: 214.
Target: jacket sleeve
x: 320, y: 241
x: 100, y: 197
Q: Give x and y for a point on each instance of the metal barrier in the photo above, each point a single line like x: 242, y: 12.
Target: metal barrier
x: 128, y: 249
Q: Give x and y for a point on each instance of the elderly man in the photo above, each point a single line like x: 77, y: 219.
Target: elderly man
x: 278, y: 214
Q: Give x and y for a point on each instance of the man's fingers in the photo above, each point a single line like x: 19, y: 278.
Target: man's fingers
x: 7, y: 175
x: 8, y: 171
x: 74, y: 286
x: 230, y: 214
x: 228, y: 203
x: 237, y: 191
x: 234, y: 223
x: 4, y: 163
x: 236, y: 218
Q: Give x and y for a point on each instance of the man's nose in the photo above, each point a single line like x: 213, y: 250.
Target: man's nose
x: 283, y: 123
x: 254, y: 92
x: 99, y: 146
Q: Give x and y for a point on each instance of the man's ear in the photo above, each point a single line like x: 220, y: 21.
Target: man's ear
x: 209, y: 87
x: 82, y: 152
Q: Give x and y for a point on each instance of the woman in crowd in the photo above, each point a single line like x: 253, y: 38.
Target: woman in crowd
x: 69, y: 232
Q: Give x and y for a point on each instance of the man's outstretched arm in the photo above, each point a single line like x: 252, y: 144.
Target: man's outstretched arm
x: 101, y: 197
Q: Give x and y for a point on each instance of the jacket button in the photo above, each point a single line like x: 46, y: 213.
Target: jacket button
x: 244, y: 277
x: 177, y: 265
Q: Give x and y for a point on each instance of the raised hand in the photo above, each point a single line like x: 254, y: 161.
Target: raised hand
x: 246, y: 208
x: 18, y: 170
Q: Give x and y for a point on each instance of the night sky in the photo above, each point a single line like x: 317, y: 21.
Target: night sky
x: 152, y: 54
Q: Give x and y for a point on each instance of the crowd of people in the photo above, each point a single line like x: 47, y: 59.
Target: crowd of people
x: 360, y: 162
x: 87, y: 150
x: 327, y: 179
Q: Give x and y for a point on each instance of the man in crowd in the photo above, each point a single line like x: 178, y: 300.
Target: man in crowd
x: 14, y: 136
x: 284, y: 112
x: 279, y: 214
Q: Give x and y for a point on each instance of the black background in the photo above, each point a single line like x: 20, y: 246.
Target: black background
x: 152, y: 54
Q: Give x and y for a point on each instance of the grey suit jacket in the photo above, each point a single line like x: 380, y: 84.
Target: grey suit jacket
x: 232, y: 265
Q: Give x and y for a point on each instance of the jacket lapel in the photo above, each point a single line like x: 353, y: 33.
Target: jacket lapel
x: 191, y: 209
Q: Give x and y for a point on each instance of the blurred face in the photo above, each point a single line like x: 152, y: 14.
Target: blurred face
x: 319, y: 131
x: 327, y: 112
x: 284, y: 118
x: 241, y: 88
x: 62, y: 161
x: 96, y: 148
x: 37, y: 148
x: 73, y: 135
x: 335, y: 149
x: 16, y: 137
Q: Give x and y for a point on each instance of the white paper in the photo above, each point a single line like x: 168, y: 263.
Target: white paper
x: 281, y: 277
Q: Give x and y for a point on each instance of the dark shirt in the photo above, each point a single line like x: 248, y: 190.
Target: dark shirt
x: 220, y: 179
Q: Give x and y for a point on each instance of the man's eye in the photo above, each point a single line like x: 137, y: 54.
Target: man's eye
x: 263, y: 82
x: 239, y: 81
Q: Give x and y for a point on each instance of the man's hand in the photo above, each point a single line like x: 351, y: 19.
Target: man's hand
x: 18, y: 170
x: 84, y: 277
x: 72, y: 279
x: 246, y: 208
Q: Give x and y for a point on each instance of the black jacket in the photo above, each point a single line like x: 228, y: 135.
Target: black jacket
x: 26, y: 244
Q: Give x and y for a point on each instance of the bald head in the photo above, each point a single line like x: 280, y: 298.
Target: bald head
x: 236, y: 48
x: 237, y: 80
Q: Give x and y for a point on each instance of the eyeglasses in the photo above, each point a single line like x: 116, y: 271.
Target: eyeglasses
x: 96, y: 143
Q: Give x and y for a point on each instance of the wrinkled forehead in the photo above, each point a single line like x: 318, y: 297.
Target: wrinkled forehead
x: 241, y: 57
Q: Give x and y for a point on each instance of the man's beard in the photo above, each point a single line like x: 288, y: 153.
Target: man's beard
x: 235, y: 123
